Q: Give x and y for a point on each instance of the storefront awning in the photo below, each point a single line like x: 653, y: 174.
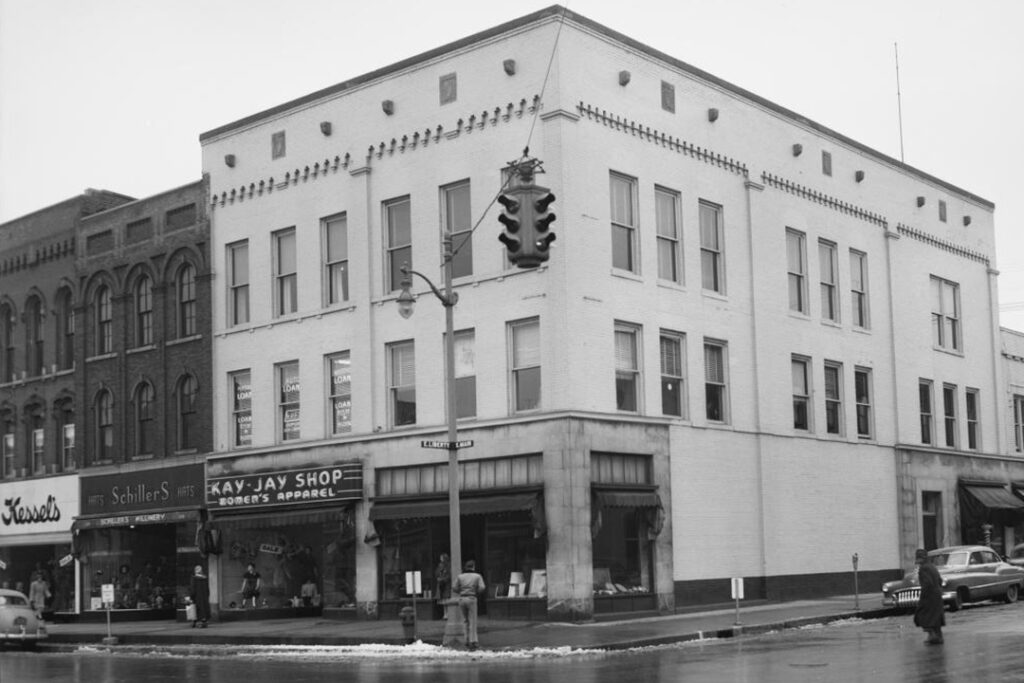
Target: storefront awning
x: 136, y: 518
x: 995, y: 497
x: 629, y: 499
x: 279, y: 518
x: 418, y: 509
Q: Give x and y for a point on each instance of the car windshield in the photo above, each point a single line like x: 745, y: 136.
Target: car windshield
x: 953, y: 559
x: 13, y: 600
x: 1018, y: 552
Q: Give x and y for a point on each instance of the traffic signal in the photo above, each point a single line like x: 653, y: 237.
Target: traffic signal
x: 542, y: 220
x: 511, y: 220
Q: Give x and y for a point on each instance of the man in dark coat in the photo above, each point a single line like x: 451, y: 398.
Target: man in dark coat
x: 931, y: 612
x: 199, y: 591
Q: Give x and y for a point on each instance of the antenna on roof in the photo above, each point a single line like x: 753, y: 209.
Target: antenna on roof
x: 899, y: 101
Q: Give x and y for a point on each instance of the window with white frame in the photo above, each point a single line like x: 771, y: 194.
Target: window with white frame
x: 796, y: 261
x: 716, y: 399
x: 289, y: 389
x: 238, y: 283
x: 67, y: 434
x: 712, y: 248
x: 104, y: 321
x: 833, y: 397
x: 339, y: 390
x: 286, y: 279
x: 240, y: 385
x: 624, y: 224
x: 186, y: 288
x: 143, y: 311
x: 863, y: 395
x: 1018, y: 423
x: 465, y: 374
x: 402, y: 383
x: 398, y: 231
x: 627, y: 367
x: 800, y: 371
x: 949, y: 415
x: 104, y: 426
x: 145, y: 419
x: 925, y: 391
x: 524, y: 341
x: 859, y: 289
x: 38, y: 465
x: 666, y: 214
x: 188, y: 412
x: 458, y: 226
x: 973, y: 418
x: 945, y: 314
x: 673, y: 374
x: 829, y: 267
x: 335, y: 255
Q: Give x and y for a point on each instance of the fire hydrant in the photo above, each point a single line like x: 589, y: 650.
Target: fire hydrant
x: 407, y: 615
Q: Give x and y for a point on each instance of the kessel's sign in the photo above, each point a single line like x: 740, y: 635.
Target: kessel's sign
x: 287, y: 487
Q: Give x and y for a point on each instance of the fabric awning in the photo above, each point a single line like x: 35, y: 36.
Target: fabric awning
x: 418, y: 509
x: 137, y: 518
x: 629, y: 499
x: 995, y: 497
x: 258, y: 520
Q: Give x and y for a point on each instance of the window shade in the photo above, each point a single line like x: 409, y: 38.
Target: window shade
x: 526, y: 345
x: 714, y: 370
x: 403, y: 365
x: 625, y: 350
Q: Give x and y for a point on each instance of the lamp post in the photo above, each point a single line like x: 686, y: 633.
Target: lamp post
x: 448, y: 299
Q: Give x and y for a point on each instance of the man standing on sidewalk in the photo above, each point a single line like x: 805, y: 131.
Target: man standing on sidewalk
x: 467, y: 586
x: 931, y: 611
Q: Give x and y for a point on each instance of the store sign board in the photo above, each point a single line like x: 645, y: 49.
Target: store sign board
x: 126, y: 492
x: 288, y: 487
x: 38, y: 506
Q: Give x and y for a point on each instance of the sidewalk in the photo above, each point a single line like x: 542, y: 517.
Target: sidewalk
x: 494, y: 634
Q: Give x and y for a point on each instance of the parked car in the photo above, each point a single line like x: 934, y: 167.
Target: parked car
x: 970, y: 573
x: 19, y: 623
x: 1016, y: 556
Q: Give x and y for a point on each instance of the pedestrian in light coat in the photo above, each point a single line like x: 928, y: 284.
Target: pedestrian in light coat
x: 467, y: 586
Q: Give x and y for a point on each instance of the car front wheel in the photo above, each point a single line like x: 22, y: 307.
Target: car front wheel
x: 957, y: 602
x: 1012, y: 592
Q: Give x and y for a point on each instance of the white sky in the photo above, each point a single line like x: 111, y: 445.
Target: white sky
x: 113, y: 94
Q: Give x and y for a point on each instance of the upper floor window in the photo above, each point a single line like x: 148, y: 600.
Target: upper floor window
x: 37, y: 434
x: 826, y: 162
x: 829, y: 280
x: 335, y: 246
x: 65, y: 330
x: 339, y: 368
x: 949, y: 415
x: 833, y: 397
x: 942, y: 210
x: 398, y: 226
x: 801, y: 393
x: 863, y: 394
x: 973, y: 418
x: 402, y: 383
x: 186, y: 294
x: 238, y: 283
x: 666, y: 213
x: 716, y: 398
x: 673, y: 374
x: 1018, y: 423
x: 524, y: 341
x: 6, y: 343
x: 448, y: 88
x: 104, y: 321
x: 34, y: 336
x: 712, y: 248
x: 7, y: 445
x: 925, y: 401
x: 465, y: 373
x: 627, y: 368
x: 240, y: 385
x: 796, y: 262
x: 277, y: 145
x: 458, y: 227
x: 104, y: 422
x: 623, y: 210
x: 946, y: 314
x: 143, y: 311
x: 286, y: 291
x: 859, y: 289
x: 668, y: 96
x: 66, y: 430
x: 188, y: 413
x: 289, y: 391
x: 144, y: 419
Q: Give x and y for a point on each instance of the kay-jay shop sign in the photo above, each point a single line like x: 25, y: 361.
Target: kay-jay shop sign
x: 287, y: 487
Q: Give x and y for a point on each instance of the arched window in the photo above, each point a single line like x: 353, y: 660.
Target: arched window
x: 34, y: 336
x: 104, y: 426
x: 6, y: 343
x: 104, y: 321
x: 186, y: 292
x: 65, y: 330
x: 188, y: 399
x: 145, y: 423
x: 144, y: 311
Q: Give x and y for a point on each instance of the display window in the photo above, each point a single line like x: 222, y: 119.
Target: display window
x: 622, y: 553
x: 297, y: 564
x: 50, y: 563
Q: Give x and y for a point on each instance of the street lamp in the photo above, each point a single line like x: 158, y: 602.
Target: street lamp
x: 448, y: 299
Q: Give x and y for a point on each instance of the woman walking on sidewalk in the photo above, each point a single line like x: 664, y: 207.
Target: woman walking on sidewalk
x: 931, y: 611
x: 199, y: 591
